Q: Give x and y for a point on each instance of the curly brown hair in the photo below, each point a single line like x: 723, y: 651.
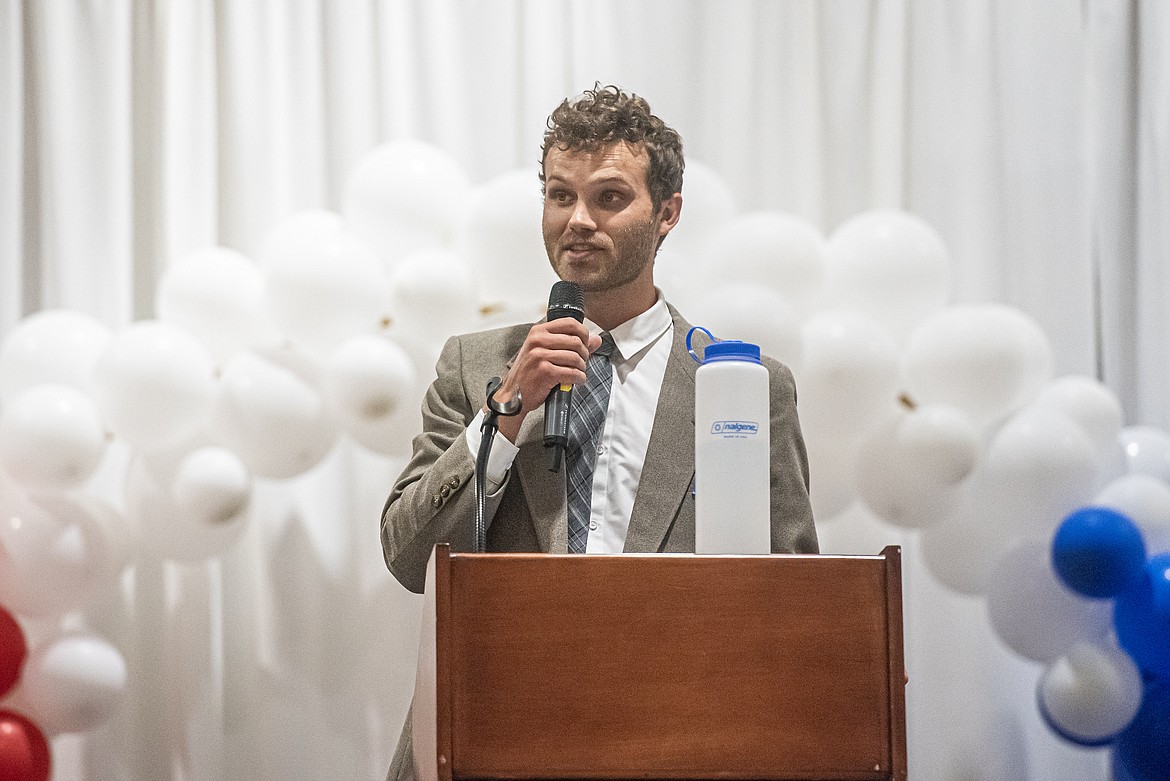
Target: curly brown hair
x: 605, y: 115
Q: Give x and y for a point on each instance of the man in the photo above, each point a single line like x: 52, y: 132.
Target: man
x: 612, y: 174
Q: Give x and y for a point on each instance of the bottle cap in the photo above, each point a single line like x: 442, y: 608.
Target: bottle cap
x: 731, y: 350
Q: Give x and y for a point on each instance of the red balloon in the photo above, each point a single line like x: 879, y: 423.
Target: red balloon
x: 13, y: 651
x: 24, y: 752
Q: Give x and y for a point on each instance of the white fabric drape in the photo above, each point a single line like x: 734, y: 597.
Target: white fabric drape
x: 1034, y: 136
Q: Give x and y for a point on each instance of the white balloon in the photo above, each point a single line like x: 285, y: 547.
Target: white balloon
x: 1089, y: 404
x: 74, y: 684
x: 751, y: 313
x: 500, y: 236
x: 495, y: 316
x: 270, y: 411
x: 424, y: 351
x: 962, y: 551
x: 891, y: 265
x: 709, y: 205
x: 113, y: 539
x: 154, y: 384
x: 211, y: 486
x: 1145, y: 500
x: 383, y: 420
x: 1091, y: 693
x: 48, y: 564
x: 366, y: 380
x: 403, y: 196
x: 1146, y: 451
x: 305, y: 227
x: 51, y: 437
x: 936, y: 443
x: 433, y: 294
x: 782, y: 252
x: 886, y: 482
x: 326, y: 287
x: 164, y: 463
x: 217, y: 294
x: 1032, y: 611
x: 392, y: 435
x: 1043, y: 466
x: 985, y: 360
x: 52, y: 346
x: 847, y: 377
x: 1034, y: 344
x: 168, y: 529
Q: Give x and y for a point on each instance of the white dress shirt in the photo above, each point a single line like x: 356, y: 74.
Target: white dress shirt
x: 638, y: 364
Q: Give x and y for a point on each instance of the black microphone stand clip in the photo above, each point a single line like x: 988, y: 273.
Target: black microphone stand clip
x: 488, y: 429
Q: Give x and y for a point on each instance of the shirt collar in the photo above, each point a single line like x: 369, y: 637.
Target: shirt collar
x: 640, y: 331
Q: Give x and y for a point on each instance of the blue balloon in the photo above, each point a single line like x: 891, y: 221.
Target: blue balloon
x: 1142, y: 750
x: 1158, y: 571
x: 1143, y: 623
x: 1098, y: 552
x: 1117, y: 771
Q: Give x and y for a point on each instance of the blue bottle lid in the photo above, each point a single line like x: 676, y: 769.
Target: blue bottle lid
x: 731, y: 350
x: 728, y: 350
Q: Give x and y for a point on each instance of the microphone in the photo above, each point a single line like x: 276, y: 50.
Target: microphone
x: 565, y: 300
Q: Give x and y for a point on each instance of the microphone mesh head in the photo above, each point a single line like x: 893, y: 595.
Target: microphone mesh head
x: 566, y: 300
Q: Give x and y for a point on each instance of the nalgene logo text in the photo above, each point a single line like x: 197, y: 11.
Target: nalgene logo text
x: 734, y: 427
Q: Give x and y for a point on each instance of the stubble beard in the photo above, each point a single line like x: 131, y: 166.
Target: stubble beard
x: 633, y: 250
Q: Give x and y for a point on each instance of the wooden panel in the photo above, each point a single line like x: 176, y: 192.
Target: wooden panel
x: 671, y: 667
x: 431, y: 707
x: 892, y: 556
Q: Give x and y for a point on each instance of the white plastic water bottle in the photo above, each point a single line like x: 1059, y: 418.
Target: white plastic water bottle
x: 732, y: 507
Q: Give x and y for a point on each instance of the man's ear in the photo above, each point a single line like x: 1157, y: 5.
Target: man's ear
x: 668, y: 214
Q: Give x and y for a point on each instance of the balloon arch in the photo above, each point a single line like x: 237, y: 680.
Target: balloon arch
x: 932, y: 415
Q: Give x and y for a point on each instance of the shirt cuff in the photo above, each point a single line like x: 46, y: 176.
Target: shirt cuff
x: 499, y: 460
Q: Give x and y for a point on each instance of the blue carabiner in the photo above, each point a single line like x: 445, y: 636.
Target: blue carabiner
x: 690, y: 333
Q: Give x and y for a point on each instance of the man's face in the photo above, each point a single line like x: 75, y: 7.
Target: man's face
x: 600, y: 228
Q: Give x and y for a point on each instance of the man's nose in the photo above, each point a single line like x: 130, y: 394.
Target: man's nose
x: 581, y: 219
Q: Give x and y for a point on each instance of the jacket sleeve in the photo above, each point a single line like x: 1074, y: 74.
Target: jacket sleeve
x: 792, y: 518
x: 433, y: 499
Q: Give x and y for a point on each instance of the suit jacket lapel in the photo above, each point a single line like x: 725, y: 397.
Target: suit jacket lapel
x: 669, y: 467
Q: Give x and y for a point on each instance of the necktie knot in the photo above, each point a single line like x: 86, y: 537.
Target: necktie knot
x: 607, y: 345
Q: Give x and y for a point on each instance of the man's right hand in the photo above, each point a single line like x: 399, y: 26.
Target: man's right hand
x: 553, y: 353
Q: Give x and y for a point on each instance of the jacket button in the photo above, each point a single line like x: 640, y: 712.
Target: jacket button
x: 445, y: 491
x: 454, y: 483
x: 436, y: 501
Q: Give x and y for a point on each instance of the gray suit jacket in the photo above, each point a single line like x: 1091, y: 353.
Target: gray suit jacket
x: 434, y: 500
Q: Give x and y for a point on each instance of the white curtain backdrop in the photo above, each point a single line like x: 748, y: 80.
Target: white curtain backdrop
x: 1035, y: 136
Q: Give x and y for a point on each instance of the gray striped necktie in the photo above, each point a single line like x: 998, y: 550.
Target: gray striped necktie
x: 586, y: 421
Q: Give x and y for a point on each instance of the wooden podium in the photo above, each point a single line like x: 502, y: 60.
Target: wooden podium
x: 661, y: 666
